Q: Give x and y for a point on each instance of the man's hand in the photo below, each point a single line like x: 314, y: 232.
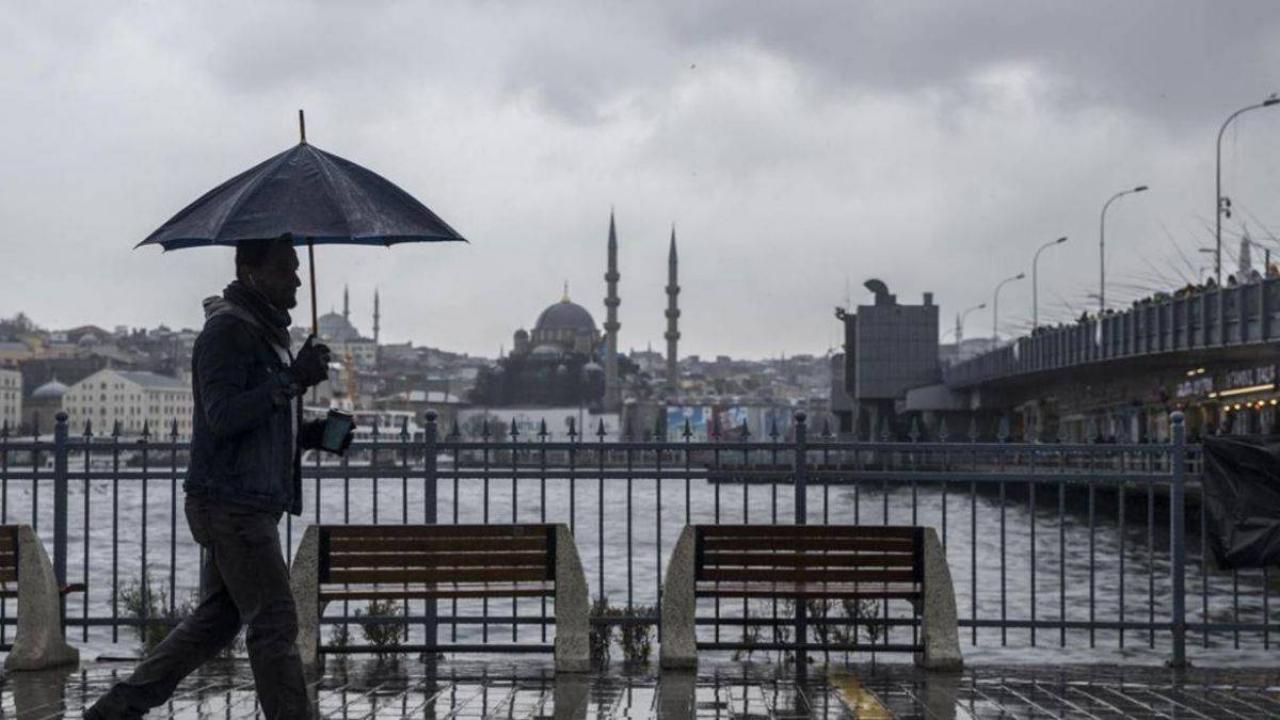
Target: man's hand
x: 311, y: 365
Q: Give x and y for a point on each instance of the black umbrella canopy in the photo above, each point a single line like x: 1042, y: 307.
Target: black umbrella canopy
x: 315, y: 197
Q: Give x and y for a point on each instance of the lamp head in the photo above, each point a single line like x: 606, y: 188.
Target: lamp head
x: 1140, y: 188
x: 1060, y: 240
x: 1019, y: 276
x: 1272, y: 99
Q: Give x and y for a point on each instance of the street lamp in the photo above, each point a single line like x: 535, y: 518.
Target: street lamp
x: 1102, y: 246
x: 960, y: 321
x: 1035, y: 281
x: 995, y: 308
x: 1223, y: 204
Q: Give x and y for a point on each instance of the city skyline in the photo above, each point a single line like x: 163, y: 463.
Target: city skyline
x: 795, y: 150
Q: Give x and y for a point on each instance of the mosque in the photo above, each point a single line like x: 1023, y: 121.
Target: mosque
x: 567, y: 360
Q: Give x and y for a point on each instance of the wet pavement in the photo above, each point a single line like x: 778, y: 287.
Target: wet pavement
x: 727, y: 690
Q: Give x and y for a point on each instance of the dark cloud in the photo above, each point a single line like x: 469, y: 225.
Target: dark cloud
x: 796, y: 145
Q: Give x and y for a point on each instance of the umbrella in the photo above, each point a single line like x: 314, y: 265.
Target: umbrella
x: 313, y: 196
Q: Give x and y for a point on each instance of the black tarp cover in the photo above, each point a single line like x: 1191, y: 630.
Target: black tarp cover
x: 1242, y: 496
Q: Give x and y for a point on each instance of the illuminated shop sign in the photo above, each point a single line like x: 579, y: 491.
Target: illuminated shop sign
x: 1249, y: 377
x: 1198, y: 383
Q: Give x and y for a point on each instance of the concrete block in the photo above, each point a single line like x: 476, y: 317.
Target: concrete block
x: 573, y: 607
x: 940, y: 631
x: 39, y: 643
x: 678, y: 648
x: 304, y: 581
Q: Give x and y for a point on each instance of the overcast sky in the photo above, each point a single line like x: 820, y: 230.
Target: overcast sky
x: 798, y: 147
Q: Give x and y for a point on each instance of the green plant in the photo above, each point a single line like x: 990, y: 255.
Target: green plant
x: 601, y: 636
x: 383, y: 636
x: 635, y: 638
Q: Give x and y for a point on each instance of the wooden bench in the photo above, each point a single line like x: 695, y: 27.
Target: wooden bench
x: 811, y: 562
x: 337, y: 563
x: 27, y: 574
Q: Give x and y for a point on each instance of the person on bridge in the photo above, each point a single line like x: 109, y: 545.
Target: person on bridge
x: 245, y: 472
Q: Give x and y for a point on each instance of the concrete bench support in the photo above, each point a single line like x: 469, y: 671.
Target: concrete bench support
x: 678, y: 650
x: 941, y: 631
x: 573, y: 609
x: 304, y: 579
x: 39, y: 643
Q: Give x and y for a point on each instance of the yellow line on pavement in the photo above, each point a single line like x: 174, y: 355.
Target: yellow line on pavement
x: 862, y: 702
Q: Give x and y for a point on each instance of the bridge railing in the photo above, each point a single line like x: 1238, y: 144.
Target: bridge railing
x: 1092, y: 548
x: 1206, y: 318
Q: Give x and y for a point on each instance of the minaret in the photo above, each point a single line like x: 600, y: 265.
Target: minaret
x: 612, y: 396
x: 377, y: 317
x: 346, y: 304
x: 673, y: 315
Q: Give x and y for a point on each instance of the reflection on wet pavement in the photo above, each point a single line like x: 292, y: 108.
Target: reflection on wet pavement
x: 740, y: 691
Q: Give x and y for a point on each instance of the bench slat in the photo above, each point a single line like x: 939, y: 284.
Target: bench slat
x: 808, y: 531
x: 790, y: 558
x: 436, y: 544
x: 808, y: 575
x: 439, y: 575
x: 808, y: 544
x: 853, y: 591
x: 443, y: 590
x: 432, y: 531
x: 348, y: 560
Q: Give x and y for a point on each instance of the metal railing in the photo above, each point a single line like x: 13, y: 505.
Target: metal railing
x: 1206, y: 318
x: 1071, y: 546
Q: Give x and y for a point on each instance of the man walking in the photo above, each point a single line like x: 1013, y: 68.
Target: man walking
x: 245, y: 471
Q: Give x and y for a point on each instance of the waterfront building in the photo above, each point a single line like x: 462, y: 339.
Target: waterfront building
x: 10, y: 398
x: 134, y: 399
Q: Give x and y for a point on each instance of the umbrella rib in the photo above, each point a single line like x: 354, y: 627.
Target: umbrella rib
x: 322, y: 163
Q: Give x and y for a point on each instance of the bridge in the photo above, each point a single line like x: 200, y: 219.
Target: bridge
x: 1165, y: 331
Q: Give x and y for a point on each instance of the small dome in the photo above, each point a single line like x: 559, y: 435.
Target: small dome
x: 546, y: 351
x: 592, y: 367
x: 50, y: 390
x: 522, y: 334
x: 566, y: 315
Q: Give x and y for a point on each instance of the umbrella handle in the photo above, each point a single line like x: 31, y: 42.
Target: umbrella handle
x: 311, y: 262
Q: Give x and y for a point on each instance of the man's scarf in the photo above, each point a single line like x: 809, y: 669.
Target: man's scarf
x: 273, y: 321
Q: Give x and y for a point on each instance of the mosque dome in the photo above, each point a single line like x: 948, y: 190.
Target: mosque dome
x: 566, y: 315
x: 336, y: 328
x: 50, y: 390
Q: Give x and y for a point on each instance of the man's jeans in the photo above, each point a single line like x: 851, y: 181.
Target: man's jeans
x: 245, y: 582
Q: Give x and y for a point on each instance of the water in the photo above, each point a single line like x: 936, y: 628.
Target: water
x: 626, y: 529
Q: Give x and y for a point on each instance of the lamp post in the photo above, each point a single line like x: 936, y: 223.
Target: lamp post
x: 1102, y: 246
x: 960, y: 321
x: 1035, y: 281
x: 1223, y: 204
x: 995, y: 308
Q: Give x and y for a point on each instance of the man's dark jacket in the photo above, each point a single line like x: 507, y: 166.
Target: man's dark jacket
x: 242, y: 447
